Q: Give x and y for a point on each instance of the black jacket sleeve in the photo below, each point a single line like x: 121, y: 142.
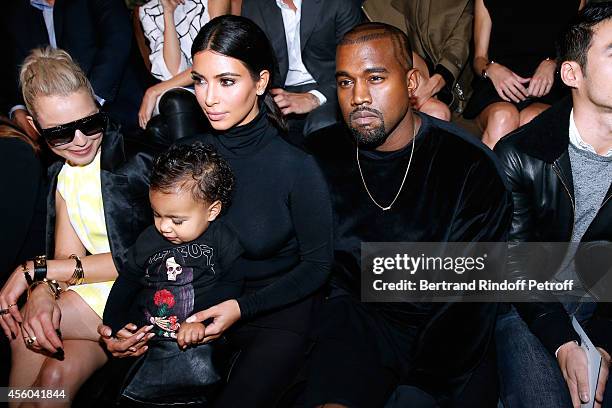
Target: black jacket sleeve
x: 599, y: 328
x: 593, y: 259
x: 547, y: 320
x: 348, y: 15
x: 123, y: 293
x: 12, y: 55
x: 311, y: 214
x: 115, y: 40
x: 483, y: 214
x: 9, y: 92
x: 485, y: 207
x: 19, y: 186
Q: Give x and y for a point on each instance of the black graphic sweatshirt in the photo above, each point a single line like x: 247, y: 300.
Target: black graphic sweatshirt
x: 164, y: 283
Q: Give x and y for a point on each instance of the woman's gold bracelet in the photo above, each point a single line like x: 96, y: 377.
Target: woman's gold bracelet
x: 78, y: 277
x: 54, y: 287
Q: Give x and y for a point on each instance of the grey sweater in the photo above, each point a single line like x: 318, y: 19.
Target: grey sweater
x: 592, y: 176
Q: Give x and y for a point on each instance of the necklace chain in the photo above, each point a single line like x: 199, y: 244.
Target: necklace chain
x: 403, y: 180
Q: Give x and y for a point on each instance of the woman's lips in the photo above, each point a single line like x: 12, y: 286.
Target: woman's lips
x: 216, y: 116
x: 82, y: 152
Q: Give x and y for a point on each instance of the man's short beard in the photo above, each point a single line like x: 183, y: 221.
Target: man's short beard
x: 369, y: 139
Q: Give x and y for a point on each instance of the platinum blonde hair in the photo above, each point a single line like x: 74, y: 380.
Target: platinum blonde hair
x: 48, y: 72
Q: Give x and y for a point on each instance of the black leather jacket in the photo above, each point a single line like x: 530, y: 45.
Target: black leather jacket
x: 125, y: 167
x: 536, y: 162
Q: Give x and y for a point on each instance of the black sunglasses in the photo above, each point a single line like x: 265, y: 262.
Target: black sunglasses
x: 64, y: 134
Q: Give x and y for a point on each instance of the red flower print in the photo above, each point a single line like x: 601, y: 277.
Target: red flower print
x: 164, y: 297
x: 174, y: 323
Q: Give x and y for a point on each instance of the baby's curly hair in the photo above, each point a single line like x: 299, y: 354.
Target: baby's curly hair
x: 197, y: 167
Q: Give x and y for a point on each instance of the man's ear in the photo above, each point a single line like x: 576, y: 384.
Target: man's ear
x: 262, y: 83
x: 214, y: 210
x: 571, y: 73
x: 412, y: 80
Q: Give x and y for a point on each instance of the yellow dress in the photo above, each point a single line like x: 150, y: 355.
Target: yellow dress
x: 81, y: 189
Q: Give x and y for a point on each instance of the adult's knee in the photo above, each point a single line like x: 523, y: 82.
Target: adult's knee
x: 56, y: 374
x: 503, y: 119
x: 437, y: 109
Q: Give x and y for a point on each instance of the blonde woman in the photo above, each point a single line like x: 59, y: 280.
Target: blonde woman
x: 97, y: 205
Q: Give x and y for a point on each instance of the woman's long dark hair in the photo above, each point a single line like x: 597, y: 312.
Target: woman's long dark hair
x: 8, y: 129
x: 240, y: 38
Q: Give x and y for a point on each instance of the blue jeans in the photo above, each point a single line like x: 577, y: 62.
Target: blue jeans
x: 529, y: 375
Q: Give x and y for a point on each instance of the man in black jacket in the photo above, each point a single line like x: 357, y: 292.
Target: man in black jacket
x: 304, y: 35
x: 96, y: 33
x: 560, y: 170
x: 400, y: 176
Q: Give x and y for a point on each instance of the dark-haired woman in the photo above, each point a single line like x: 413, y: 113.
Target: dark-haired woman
x: 280, y: 209
x: 514, y: 57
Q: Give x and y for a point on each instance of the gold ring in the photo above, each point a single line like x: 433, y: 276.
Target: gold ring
x: 11, y: 305
x: 29, y: 341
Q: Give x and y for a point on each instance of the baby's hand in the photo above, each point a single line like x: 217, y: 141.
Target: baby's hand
x: 190, y: 334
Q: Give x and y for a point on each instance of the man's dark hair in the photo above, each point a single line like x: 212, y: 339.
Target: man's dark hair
x: 575, y: 41
x: 372, y: 31
x: 197, y: 167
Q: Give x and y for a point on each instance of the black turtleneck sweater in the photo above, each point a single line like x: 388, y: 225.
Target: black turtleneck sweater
x: 281, y: 211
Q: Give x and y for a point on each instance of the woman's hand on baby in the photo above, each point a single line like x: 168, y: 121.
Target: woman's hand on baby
x: 127, y: 342
x: 190, y: 334
x: 223, y: 316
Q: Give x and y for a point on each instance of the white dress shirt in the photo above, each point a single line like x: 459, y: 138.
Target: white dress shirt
x: 578, y: 142
x: 297, y: 73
